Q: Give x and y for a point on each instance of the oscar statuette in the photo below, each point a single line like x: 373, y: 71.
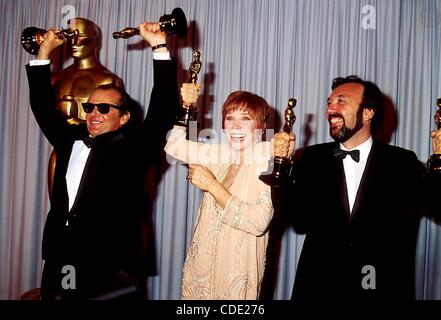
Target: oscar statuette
x: 32, y: 37
x: 282, y: 165
x: 189, y: 112
x: 174, y: 23
x: 434, y: 161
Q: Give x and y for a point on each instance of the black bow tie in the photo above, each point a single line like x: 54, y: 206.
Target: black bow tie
x: 341, y: 154
x: 88, y: 141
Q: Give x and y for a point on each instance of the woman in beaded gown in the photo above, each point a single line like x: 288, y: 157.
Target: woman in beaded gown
x: 226, y: 257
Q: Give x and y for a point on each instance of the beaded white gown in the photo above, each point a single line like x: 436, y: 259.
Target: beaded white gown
x: 226, y: 257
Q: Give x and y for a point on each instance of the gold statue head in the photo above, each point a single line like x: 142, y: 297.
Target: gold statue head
x: 87, y: 42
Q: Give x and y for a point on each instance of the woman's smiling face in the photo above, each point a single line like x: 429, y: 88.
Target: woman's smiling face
x: 241, y: 129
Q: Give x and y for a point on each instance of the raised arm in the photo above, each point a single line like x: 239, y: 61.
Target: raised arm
x: 41, y: 93
x: 179, y: 147
x: 164, y: 99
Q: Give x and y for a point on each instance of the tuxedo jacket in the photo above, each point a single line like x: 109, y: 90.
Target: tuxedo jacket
x: 366, y: 253
x: 101, y: 235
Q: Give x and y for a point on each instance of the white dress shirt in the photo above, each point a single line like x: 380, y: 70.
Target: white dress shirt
x: 354, y: 170
x: 75, y: 168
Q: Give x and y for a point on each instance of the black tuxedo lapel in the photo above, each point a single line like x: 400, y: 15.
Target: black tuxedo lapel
x: 340, y: 180
x: 59, y: 196
x: 100, y: 143
x: 341, y: 186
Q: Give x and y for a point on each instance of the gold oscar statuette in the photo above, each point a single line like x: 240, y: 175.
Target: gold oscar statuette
x: 190, y: 112
x: 32, y: 37
x: 434, y: 161
x: 282, y: 165
x: 174, y: 23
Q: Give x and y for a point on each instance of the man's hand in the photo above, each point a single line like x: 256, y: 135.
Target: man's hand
x: 50, y: 43
x: 283, y: 144
x: 152, y: 33
x: 190, y: 93
x: 436, y: 141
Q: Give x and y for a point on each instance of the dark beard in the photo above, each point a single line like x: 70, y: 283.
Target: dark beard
x: 345, y: 133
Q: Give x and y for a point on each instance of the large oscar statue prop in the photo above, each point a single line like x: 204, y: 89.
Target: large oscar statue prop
x: 190, y: 112
x: 174, y: 23
x: 74, y: 84
x: 282, y: 165
x: 435, y: 159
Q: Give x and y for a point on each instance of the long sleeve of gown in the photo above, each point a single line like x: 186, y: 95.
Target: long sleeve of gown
x: 250, y: 217
x: 179, y: 147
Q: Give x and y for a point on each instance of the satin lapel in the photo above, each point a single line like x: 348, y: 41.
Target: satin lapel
x: 341, y: 185
x: 340, y: 180
x: 62, y: 161
x: 366, y: 180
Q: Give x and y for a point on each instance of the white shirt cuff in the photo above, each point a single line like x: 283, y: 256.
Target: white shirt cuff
x: 36, y: 62
x: 161, y: 55
x: 156, y: 56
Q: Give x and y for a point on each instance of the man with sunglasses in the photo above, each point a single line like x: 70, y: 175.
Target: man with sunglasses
x: 74, y: 84
x: 92, y: 241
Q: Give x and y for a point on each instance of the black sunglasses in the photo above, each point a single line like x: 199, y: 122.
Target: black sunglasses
x: 103, y: 108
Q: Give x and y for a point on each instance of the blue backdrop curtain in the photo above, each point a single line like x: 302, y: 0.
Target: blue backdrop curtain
x: 277, y: 49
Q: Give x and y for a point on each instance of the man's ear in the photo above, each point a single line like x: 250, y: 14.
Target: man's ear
x: 368, y: 114
x: 124, y: 118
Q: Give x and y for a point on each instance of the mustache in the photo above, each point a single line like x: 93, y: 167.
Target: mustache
x: 335, y: 115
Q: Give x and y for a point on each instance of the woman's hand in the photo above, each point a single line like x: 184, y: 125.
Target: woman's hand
x: 201, y: 177
x: 205, y: 180
x: 190, y: 93
x: 283, y: 144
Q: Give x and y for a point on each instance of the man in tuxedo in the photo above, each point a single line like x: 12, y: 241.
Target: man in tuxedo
x: 74, y: 84
x: 92, y: 241
x: 358, y: 201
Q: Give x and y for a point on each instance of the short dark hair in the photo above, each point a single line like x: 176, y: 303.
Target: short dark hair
x: 125, y: 102
x: 255, y: 105
x: 372, y: 99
